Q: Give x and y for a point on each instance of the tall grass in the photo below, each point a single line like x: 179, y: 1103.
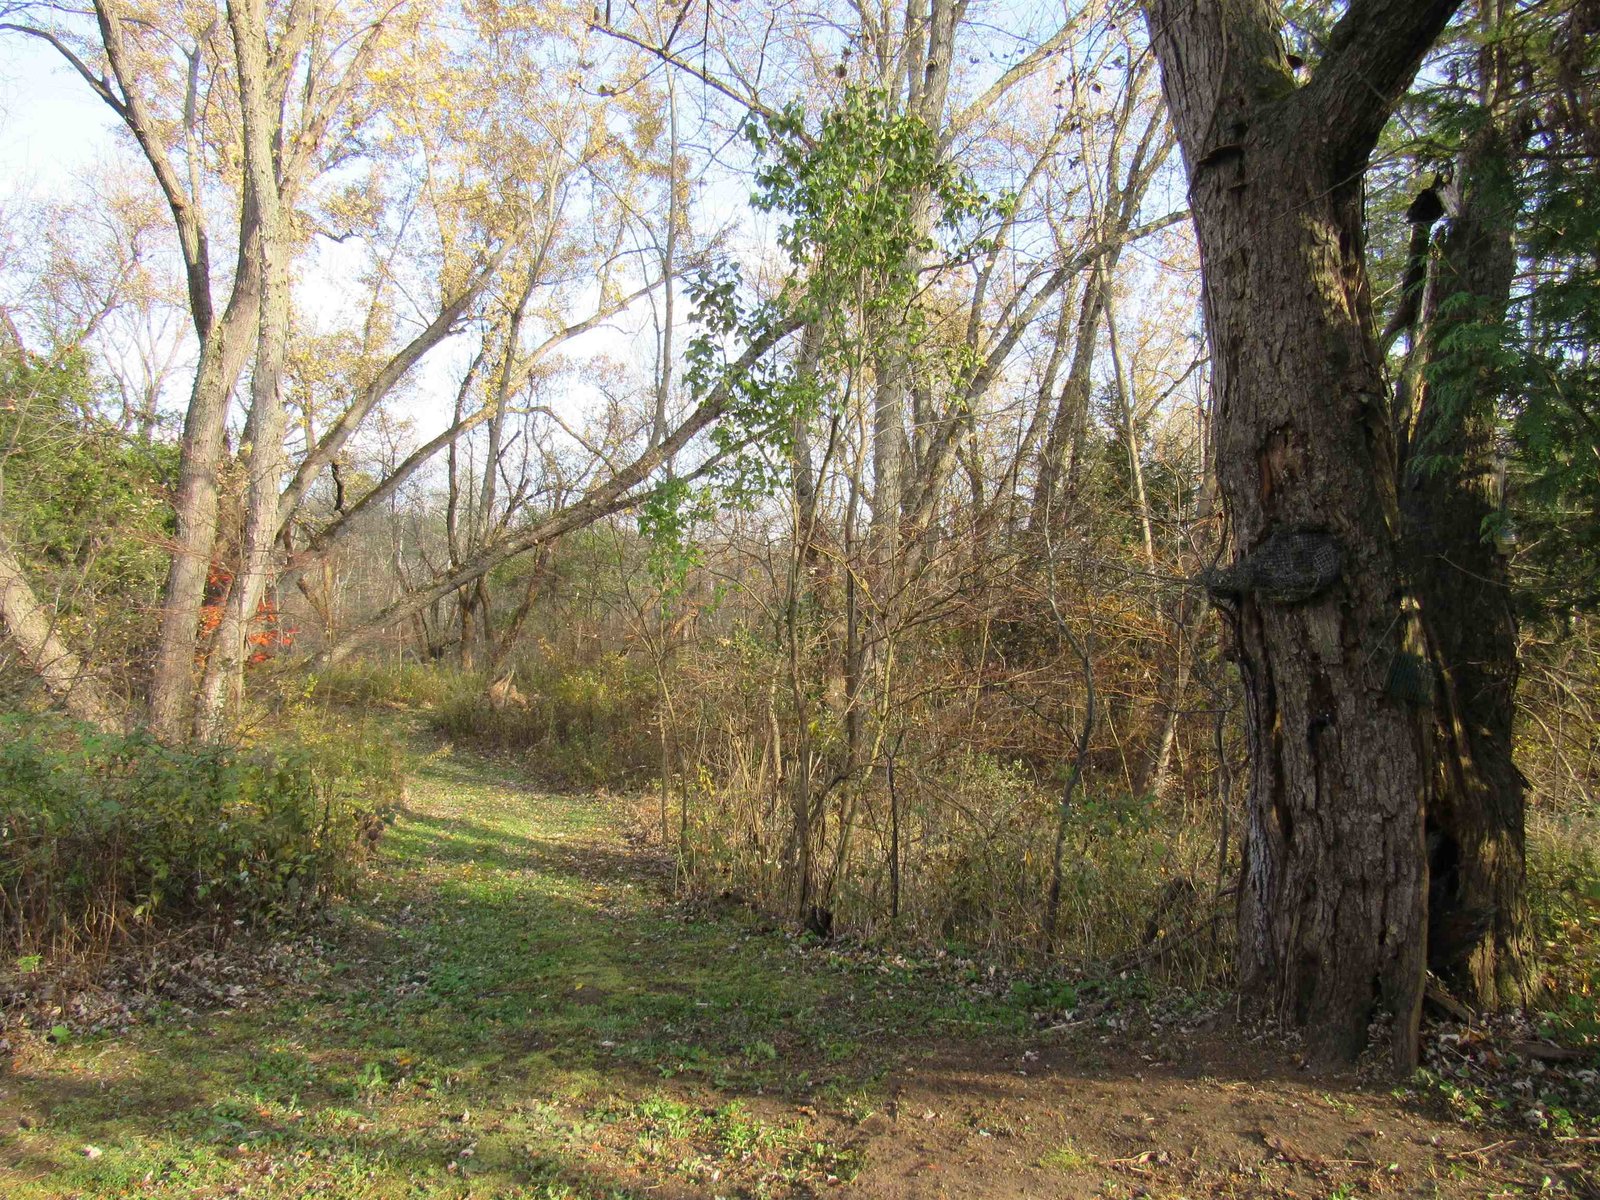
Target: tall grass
x: 365, y: 685
x: 1564, y: 894
x: 576, y: 725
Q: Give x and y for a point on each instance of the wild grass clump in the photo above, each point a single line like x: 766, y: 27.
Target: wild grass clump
x: 406, y: 685
x: 961, y: 856
x: 1564, y: 894
x: 103, y: 836
x: 572, y: 725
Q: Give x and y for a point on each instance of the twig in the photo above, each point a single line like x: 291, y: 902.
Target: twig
x: 1481, y: 1150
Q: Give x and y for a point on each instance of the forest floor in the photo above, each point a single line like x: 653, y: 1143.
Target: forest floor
x: 518, y: 1007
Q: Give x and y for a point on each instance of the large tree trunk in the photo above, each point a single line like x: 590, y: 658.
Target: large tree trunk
x: 267, y: 422
x: 195, y: 509
x: 224, y: 347
x: 1333, y: 906
x: 1478, y: 930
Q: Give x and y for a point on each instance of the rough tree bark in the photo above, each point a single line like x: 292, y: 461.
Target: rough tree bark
x: 1478, y: 923
x: 1332, y: 910
x: 224, y: 346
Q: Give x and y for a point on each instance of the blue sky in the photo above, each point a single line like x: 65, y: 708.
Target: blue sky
x: 51, y: 126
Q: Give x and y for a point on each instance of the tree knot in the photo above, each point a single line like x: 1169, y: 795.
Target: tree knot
x: 1290, y: 566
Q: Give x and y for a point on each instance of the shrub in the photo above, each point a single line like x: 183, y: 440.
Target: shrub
x: 976, y: 840
x: 86, y: 510
x: 101, y: 835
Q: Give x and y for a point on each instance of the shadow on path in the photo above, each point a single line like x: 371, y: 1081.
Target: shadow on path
x: 517, y: 1008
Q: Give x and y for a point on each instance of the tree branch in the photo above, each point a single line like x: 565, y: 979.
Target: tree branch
x: 393, y: 371
x: 747, y: 102
x: 304, y: 478
x: 1373, y: 55
x: 613, y: 495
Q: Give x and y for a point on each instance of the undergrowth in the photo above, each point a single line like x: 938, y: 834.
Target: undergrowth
x: 571, y: 724
x: 104, y: 836
x: 1564, y: 889
x: 401, y: 685
x: 972, y: 868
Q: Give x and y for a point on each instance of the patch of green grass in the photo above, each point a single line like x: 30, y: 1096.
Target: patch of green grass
x: 1065, y: 1157
x: 1341, y: 1106
x: 501, y: 1014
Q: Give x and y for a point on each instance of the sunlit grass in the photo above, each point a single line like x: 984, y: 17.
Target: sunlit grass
x: 514, y: 1004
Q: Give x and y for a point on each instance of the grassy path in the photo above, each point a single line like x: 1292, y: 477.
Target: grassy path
x: 517, y: 1009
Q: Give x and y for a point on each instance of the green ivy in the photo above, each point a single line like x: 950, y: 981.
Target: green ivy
x: 865, y: 197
